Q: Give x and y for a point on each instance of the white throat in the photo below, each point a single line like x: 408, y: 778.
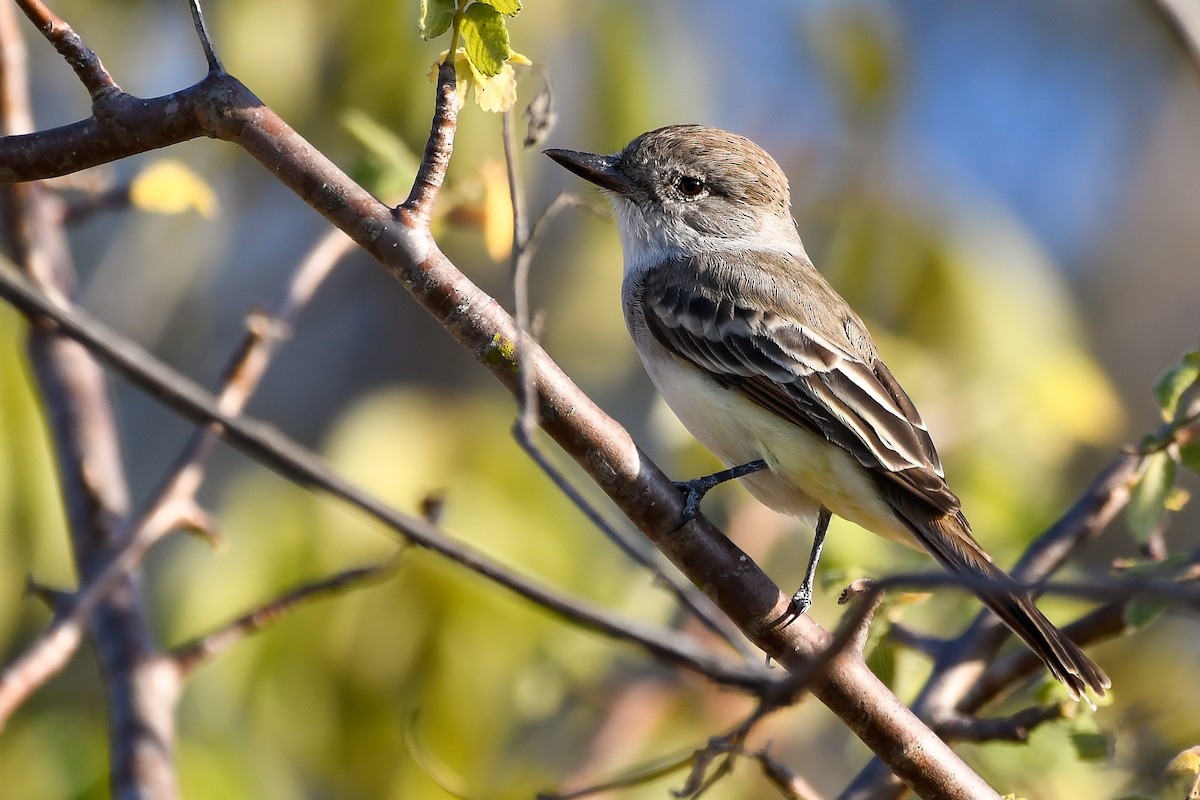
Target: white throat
x: 649, y: 240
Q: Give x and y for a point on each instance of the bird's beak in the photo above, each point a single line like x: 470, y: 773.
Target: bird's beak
x: 600, y: 170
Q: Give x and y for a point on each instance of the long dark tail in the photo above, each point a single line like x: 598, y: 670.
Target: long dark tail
x: 948, y: 538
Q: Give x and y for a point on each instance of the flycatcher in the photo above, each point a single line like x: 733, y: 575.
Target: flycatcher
x: 771, y: 370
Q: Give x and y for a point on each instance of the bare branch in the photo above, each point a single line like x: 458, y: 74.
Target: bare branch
x: 859, y: 623
x: 124, y: 126
x: 173, y: 505
x: 114, y: 198
x: 1015, y: 728
x: 960, y: 661
x: 89, y: 463
x: 206, y: 43
x: 637, y: 777
x: 417, y: 210
x: 204, y: 649
x: 785, y: 780
x: 1183, y: 21
x: 70, y: 46
x: 1104, y: 623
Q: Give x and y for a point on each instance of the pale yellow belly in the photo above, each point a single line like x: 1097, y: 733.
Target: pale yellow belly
x: 805, y: 471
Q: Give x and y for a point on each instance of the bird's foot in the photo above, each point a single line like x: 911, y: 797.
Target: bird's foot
x: 695, y: 489
x: 800, y: 604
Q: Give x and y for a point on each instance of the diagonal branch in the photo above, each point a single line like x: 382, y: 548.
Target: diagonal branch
x: 200, y: 651
x: 271, y: 448
x: 173, y: 505
x: 221, y: 107
x: 71, y: 47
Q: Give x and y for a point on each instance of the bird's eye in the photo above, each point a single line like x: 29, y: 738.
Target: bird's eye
x: 690, y: 185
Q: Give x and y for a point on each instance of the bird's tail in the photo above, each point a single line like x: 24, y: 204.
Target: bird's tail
x: 949, y: 540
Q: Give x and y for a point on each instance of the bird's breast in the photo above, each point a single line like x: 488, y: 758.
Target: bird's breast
x: 805, y: 471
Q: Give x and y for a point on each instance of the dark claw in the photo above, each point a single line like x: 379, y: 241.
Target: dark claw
x: 695, y: 489
x: 801, y: 603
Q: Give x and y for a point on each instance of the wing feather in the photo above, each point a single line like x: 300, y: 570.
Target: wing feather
x: 799, y: 359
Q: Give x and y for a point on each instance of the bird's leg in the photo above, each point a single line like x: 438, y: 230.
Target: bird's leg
x: 695, y: 489
x: 802, y: 599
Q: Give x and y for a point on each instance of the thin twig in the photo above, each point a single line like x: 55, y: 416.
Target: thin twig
x: 191, y: 655
x: 1101, y: 624
x: 849, y: 638
x: 79, y: 209
x: 784, y: 779
x: 639, y: 776
x: 959, y: 661
x: 206, y: 42
x: 1014, y: 728
x: 173, y: 504
x: 71, y: 47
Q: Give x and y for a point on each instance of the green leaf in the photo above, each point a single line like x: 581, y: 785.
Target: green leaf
x: 381, y: 141
x: 882, y: 661
x: 508, y: 8
x: 1189, y: 456
x: 485, y: 39
x: 1092, y: 746
x: 388, y: 166
x: 1141, y: 611
x: 1148, y: 502
x: 436, y: 16
x: 1175, y: 381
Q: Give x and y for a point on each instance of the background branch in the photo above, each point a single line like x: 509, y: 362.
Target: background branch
x: 88, y: 456
x: 276, y: 451
x: 203, y: 649
x: 174, y: 504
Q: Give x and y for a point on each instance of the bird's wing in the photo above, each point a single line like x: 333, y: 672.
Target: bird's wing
x: 784, y: 361
x: 810, y: 362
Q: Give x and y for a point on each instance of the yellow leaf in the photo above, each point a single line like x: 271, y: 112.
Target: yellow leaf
x: 170, y: 187
x: 1186, y: 763
x: 498, y: 211
x: 497, y: 93
x: 1177, y: 498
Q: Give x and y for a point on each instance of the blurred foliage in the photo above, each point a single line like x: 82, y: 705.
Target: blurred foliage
x: 433, y: 675
x: 169, y: 187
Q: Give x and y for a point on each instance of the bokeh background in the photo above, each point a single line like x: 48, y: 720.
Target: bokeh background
x: 1006, y: 192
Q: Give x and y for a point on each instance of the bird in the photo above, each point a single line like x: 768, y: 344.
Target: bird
x: 771, y: 370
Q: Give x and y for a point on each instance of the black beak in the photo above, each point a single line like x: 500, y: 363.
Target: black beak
x: 600, y: 170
